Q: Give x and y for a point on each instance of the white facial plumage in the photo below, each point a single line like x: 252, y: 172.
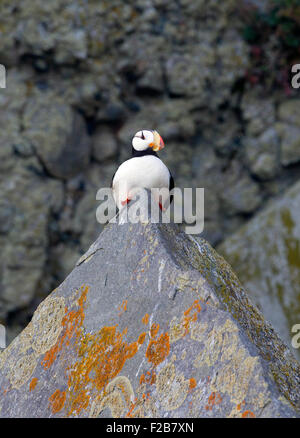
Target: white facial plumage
x: 142, y: 140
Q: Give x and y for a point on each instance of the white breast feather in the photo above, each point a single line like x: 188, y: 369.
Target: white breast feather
x: 146, y: 172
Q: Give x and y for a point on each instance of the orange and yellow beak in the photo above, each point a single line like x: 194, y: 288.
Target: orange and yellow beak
x: 158, y: 142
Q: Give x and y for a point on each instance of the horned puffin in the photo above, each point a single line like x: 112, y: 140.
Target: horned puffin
x: 143, y: 170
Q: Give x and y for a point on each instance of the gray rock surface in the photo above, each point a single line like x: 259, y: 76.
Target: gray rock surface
x: 289, y: 130
x: 151, y: 323
x: 265, y: 253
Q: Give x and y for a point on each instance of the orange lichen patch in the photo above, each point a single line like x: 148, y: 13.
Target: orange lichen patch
x: 239, y: 406
x: 146, y: 396
x: 71, y: 322
x: 101, y: 357
x: 141, y: 338
x: 131, y: 409
x: 33, y: 384
x: 159, y: 349
x: 57, y: 400
x: 214, y: 399
x: 142, y: 379
x: 153, y: 379
x: 145, y: 319
x: 149, y: 378
x: 123, y: 307
x: 190, y: 315
x: 248, y: 414
x: 154, y: 330
x: 193, y: 383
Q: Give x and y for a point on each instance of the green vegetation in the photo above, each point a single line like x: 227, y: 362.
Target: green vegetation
x: 282, y: 19
x: 274, y: 36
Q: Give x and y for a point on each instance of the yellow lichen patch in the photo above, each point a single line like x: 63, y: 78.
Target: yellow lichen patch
x: 172, y: 388
x: 234, y: 377
x: 18, y: 346
x: 177, y: 331
x: 158, y: 349
x: 25, y: 338
x: 236, y: 366
x: 197, y: 331
x: 47, y: 323
x: 4, y: 355
x: 117, y: 396
x: 22, y: 371
x: 224, y: 341
x: 70, y: 324
x: 187, y: 323
x: 33, y: 384
x: 57, y: 400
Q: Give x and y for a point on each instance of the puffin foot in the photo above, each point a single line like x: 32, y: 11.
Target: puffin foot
x: 125, y: 202
x: 161, y: 207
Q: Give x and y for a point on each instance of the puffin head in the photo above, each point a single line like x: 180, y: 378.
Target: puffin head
x: 147, y: 139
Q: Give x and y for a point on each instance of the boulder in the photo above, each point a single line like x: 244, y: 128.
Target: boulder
x: 288, y: 129
x: 262, y: 154
x: 27, y: 201
x: 150, y: 323
x: 290, y: 143
x: 104, y: 145
x: 265, y: 253
x: 58, y: 135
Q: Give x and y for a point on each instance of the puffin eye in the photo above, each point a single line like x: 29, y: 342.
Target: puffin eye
x: 143, y: 137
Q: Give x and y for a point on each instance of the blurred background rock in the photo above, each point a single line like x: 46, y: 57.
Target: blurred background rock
x: 212, y: 77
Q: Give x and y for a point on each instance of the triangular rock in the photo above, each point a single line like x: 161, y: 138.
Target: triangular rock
x: 150, y: 323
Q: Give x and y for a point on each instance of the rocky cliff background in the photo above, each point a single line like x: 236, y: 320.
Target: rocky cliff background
x: 83, y: 76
